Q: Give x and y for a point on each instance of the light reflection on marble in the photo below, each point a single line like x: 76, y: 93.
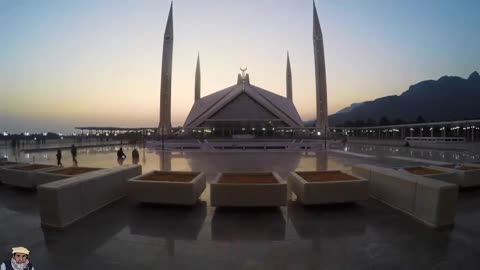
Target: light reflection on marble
x: 128, y: 235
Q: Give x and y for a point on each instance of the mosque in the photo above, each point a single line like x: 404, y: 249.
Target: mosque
x: 243, y: 106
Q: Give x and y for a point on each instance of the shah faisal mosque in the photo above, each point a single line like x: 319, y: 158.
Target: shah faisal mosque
x: 243, y: 105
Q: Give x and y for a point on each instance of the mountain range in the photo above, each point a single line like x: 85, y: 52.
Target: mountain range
x: 448, y: 98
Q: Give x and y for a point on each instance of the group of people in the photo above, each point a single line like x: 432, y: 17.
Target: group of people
x: 73, y: 151
x: 120, y: 156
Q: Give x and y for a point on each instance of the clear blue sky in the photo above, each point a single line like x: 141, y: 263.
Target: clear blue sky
x: 97, y: 62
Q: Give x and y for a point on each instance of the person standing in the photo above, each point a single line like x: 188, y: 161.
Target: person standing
x: 19, y: 260
x: 73, y: 150
x: 59, y: 157
x: 135, y: 156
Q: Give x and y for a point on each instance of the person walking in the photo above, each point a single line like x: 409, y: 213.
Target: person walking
x: 121, y: 154
x: 59, y: 157
x: 73, y: 150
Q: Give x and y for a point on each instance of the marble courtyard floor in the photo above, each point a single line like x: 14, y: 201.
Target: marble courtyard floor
x: 128, y: 235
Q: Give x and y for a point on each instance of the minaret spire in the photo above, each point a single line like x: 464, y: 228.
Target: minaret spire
x: 198, y: 79
x: 320, y: 75
x: 289, y: 79
x: 166, y: 75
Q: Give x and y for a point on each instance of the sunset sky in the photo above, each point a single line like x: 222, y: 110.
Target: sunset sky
x: 66, y: 63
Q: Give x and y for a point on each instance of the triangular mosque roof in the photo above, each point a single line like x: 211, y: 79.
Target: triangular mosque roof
x: 279, y: 106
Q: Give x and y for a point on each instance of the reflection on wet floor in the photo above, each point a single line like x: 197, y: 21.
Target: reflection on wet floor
x: 282, y: 162
x: 451, y: 156
x: 130, y: 235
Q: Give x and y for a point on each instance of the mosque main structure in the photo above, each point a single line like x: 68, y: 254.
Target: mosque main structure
x: 243, y: 105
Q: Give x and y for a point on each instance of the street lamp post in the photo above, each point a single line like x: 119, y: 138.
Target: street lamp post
x: 5, y: 135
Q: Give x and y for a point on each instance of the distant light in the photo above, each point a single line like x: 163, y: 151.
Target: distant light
x: 27, y: 134
x: 263, y: 129
x: 74, y: 134
x: 107, y: 134
x: 45, y: 134
x: 319, y: 133
x: 61, y: 138
x: 5, y: 133
x: 243, y: 128
x: 149, y: 133
x: 98, y: 134
x: 35, y: 138
x: 60, y: 134
x: 253, y: 128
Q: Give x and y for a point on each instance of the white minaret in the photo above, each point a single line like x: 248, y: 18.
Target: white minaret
x: 289, y: 79
x: 320, y: 74
x: 198, y: 79
x: 166, y: 81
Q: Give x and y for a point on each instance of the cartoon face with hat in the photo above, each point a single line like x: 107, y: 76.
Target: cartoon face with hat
x: 19, y: 260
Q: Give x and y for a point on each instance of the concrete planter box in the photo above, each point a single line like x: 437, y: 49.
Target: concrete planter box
x: 65, y: 201
x: 248, y: 189
x: 465, y: 175
x: 6, y: 165
x: 430, y: 172
x: 182, y: 188
x: 60, y: 174
x: 473, y: 164
x: 477, y: 163
x: 24, y: 174
x: 324, y: 187
x: 430, y: 201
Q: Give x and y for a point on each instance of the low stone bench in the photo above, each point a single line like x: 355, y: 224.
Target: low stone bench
x: 23, y: 175
x: 433, y: 202
x: 322, y: 187
x: 182, y: 188
x: 248, y: 189
x: 64, y: 202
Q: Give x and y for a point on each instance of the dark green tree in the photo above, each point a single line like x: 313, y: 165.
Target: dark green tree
x: 420, y: 119
x: 384, y: 121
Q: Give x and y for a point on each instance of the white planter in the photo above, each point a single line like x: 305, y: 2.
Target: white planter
x: 326, y: 192
x: 142, y: 189
x: 248, y: 194
x: 65, y: 201
x: 430, y: 201
x: 14, y: 176
x: 467, y: 177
